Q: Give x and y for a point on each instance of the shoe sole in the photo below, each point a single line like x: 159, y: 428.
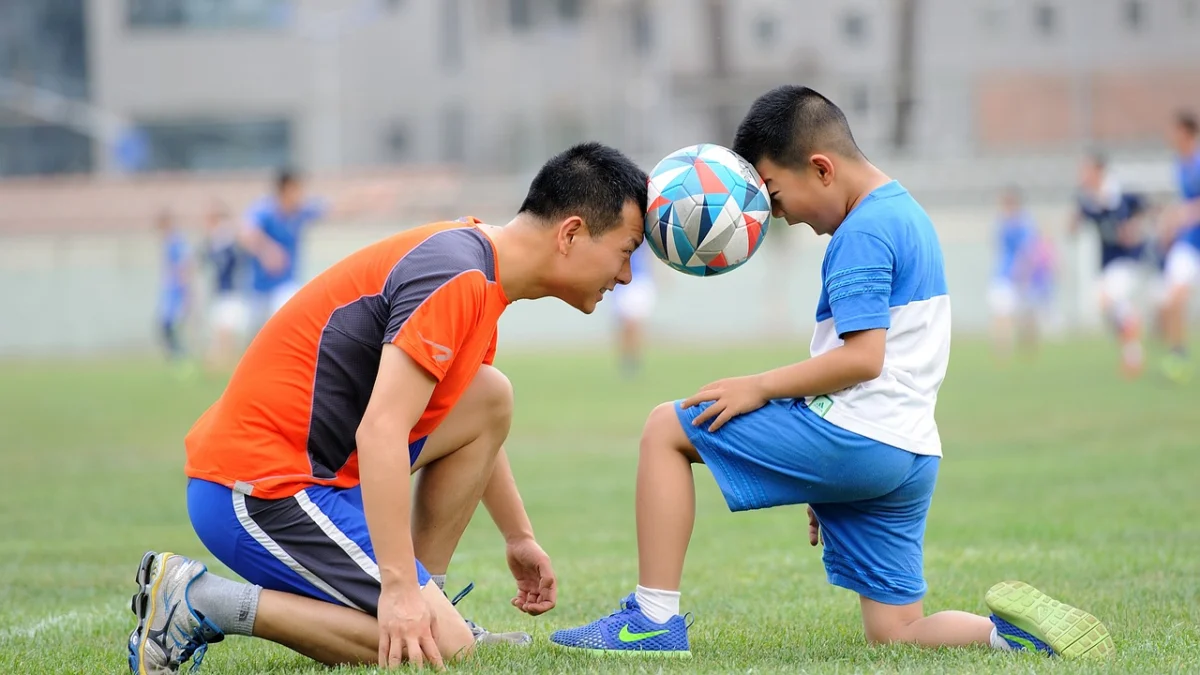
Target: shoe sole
x: 1071, y: 632
x: 148, y: 578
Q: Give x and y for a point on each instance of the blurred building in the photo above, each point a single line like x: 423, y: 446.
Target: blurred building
x: 499, y: 84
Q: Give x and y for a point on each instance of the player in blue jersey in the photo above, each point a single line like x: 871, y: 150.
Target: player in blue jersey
x: 274, y: 227
x: 175, y: 290
x: 1011, y: 295
x: 1117, y: 216
x: 1181, y: 270
x: 850, y: 431
x: 229, y: 313
x: 633, y: 303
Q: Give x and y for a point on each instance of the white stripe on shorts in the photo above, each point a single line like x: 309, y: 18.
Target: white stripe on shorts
x: 348, y: 545
x: 252, y: 528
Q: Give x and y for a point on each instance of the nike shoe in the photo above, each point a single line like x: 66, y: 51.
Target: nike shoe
x: 1028, y: 619
x: 484, y: 636
x: 628, y: 631
x: 169, y: 631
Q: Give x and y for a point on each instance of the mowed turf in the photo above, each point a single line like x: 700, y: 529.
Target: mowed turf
x: 1056, y: 472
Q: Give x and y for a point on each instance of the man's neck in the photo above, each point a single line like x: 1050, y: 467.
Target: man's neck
x: 520, y: 254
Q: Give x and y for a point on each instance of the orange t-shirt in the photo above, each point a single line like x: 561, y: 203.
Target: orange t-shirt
x: 288, y: 417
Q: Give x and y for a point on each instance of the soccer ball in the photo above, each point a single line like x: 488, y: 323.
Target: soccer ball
x: 708, y: 210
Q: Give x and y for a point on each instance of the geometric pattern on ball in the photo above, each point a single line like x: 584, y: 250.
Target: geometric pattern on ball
x: 708, y: 210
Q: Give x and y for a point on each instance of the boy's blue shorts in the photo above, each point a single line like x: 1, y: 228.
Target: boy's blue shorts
x: 870, y: 498
x: 314, y: 543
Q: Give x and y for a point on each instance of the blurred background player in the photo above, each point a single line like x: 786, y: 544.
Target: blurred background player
x: 175, y: 293
x: 229, y: 314
x: 633, y: 304
x: 272, y: 234
x: 1182, y: 231
x: 273, y: 230
x: 1011, y: 294
x: 1117, y: 216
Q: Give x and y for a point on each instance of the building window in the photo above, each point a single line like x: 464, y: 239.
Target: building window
x: 257, y: 14
x: 860, y: 100
x: 571, y: 10
x: 1190, y: 9
x: 398, y: 142
x: 450, y: 42
x: 44, y: 149
x: 1134, y: 15
x: 453, y: 129
x: 208, y: 145
x: 1045, y: 18
x: 520, y: 14
x: 854, y: 27
x: 765, y: 30
x: 993, y: 19
x: 642, y: 26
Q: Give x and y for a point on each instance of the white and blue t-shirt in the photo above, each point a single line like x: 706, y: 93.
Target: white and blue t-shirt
x: 883, y: 269
x: 284, y: 228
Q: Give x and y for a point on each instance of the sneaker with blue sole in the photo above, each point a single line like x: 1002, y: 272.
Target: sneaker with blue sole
x: 169, y: 632
x: 629, y: 631
x: 1031, y: 620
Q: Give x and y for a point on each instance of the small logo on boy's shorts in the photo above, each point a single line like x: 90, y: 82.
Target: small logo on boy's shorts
x: 821, y: 405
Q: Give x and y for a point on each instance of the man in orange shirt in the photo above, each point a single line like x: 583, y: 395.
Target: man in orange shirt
x: 378, y: 368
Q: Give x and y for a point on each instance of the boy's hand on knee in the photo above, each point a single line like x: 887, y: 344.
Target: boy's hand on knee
x: 814, y: 528
x: 730, y: 397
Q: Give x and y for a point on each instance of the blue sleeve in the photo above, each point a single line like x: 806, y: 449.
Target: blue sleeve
x: 254, y: 216
x: 858, y: 281
x: 315, y: 209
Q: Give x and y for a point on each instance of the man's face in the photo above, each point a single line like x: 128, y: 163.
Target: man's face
x: 590, y: 266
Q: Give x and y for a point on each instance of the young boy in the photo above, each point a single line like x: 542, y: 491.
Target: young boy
x: 850, y: 431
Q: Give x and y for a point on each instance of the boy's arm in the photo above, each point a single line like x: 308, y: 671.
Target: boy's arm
x: 859, y: 360
x: 858, y: 284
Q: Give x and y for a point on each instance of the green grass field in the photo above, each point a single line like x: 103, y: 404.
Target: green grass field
x: 1056, y: 473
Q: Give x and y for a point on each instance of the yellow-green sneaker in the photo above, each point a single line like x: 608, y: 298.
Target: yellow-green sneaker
x: 1028, y: 619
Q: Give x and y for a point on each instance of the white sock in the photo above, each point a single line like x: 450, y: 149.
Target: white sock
x: 440, y: 580
x: 658, y: 606
x: 999, y: 642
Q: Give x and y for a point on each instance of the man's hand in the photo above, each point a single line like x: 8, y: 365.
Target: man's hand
x: 814, y: 528
x: 731, y: 397
x: 537, y: 587
x: 406, y: 628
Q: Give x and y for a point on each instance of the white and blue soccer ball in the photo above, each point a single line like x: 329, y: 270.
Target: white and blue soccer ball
x: 708, y: 210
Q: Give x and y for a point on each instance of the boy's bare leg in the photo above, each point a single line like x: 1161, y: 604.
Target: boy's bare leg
x: 666, y: 500
x: 908, y: 623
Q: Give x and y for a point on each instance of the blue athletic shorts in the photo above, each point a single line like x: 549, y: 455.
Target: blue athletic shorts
x: 870, y: 498
x: 314, y: 543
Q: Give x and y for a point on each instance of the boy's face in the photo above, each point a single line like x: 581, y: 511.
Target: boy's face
x: 803, y: 194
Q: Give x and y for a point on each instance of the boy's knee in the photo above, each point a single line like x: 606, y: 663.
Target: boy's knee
x: 664, y: 430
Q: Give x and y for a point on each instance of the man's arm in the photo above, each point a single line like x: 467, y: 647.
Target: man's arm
x: 402, y: 390
x: 503, y: 502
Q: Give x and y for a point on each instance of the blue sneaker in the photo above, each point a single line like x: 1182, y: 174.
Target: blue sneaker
x: 169, y: 631
x: 1031, y: 620
x: 628, y: 631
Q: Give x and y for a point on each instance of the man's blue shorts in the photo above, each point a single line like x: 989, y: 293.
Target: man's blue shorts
x: 870, y: 498
x: 314, y: 543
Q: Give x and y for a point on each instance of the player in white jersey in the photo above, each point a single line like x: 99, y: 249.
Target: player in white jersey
x: 850, y: 431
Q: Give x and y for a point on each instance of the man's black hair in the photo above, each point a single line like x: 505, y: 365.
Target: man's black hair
x: 789, y: 124
x: 589, y: 180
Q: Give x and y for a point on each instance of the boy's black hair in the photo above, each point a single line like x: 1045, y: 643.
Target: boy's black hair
x: 789, y: 124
